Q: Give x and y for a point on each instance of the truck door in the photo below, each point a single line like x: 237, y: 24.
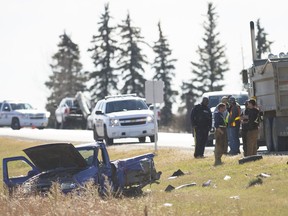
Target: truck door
x: 17, y: 170
x: 5, y: 115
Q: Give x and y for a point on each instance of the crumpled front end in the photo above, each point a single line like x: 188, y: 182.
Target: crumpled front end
x: 137, y: 172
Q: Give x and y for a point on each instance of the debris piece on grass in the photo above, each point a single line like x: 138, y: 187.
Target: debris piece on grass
x: 178, y: 173
x: 168, y: 204
x: 235, y: 197
x: 264, y: 175
x: 226, y: 178
x: 172, y: 177
x: 253, y: 182
x: 250, y: 158
x: 186, y: 185
x: 169, y: 188
x: 207, y: 183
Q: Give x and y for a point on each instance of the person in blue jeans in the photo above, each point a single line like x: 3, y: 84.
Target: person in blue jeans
x: 233, y: 126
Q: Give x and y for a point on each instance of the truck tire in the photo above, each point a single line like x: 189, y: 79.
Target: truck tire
x: 268, y: 134
x: 108, y: 141
x: 152, y: 138
x: 209, y: 143
x: 142, y: 139
x: 15, y: 125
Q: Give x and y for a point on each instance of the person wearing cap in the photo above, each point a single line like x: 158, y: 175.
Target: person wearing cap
x: 234, y: 126
x: 244, y: 123
x: 201, y: 121
x: 252, y: 127
x: 220, y: 133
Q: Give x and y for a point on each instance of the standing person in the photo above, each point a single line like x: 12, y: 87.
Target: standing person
x: 253, y: 122
x: 244, y: 123
x: 220, y: 133
x: 224, y: 100
x: 201, y: 120
x: 234, y: 126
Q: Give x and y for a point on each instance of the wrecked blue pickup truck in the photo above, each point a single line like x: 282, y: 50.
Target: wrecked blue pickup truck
x: 73, y: 166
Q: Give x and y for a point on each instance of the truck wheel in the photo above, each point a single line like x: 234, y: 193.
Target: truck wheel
x: 152, y: 138
x: 268, y: 134
x: 15, y: 125
x: 108, y: 141
x: 142, y: 139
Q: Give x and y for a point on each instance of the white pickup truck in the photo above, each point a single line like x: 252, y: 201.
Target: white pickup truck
x: 17, y: 114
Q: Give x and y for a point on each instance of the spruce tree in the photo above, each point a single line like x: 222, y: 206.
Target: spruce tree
x: 131, y: 59
x: 67, y: 78
x: 207, y: 74
x: 104, y: 47
x: 263, y: 45
x: 164, y: 70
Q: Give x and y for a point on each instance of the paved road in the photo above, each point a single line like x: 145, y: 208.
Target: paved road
x: 173, y: 140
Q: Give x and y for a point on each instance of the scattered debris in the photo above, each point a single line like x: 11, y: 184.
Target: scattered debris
x: 226, y: 178
x: 172, y: 177
x: 250, y: 158
x: 178, y: 173
x: 253, y: 182
x: 170, y: 187
x: 264, y: 175
x: 206, y: 184
x: 186, y: 185
x: 168, y: 204
x: 235, y: 197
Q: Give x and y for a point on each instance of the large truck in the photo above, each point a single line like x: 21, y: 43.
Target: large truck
x: 267, y: 81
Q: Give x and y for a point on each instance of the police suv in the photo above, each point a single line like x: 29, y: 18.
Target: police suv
x: 122, y: 116
x: 17, y: 114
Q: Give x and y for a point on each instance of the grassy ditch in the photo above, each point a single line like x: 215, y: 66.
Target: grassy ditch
x: 232, y: 191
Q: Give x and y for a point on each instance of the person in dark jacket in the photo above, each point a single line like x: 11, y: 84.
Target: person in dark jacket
x: 220, y: 133
x: 201, y: 121
x: 252, y: 127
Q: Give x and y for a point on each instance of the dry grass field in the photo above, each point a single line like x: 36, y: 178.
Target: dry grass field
x: 229, y: 192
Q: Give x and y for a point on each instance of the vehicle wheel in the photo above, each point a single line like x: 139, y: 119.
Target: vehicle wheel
x: 40, y: 128
x: 152, y: 138
x: 268, y: 134
x: 108, y: 141
x: 15, y: 125
x: 142, y: 139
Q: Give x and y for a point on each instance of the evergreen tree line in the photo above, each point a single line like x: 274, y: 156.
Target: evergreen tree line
x: 119, y: 62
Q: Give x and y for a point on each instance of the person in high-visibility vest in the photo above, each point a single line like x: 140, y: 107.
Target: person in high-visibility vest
x: 233, y: 126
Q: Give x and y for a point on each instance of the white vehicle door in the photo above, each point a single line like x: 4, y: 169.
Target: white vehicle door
x: 99, y: 118
x: 5, y: 115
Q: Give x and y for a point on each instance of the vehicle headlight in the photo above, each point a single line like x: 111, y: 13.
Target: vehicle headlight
x: 113, y: 122
x: 149, y: 119
x: 25, y: 116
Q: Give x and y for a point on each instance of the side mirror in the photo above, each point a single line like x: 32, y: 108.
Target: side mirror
x: 99, y: 112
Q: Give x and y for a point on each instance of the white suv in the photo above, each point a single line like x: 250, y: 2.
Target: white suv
x: 122, y: 116
x: 18, y: 114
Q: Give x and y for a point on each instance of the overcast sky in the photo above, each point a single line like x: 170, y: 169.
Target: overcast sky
x: 30, y: 32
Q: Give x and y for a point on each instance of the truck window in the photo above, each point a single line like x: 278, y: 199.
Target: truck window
x: 6, y: 107
x: 88, y: 155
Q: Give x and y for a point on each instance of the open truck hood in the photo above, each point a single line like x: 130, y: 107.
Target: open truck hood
x: 56, y: 155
